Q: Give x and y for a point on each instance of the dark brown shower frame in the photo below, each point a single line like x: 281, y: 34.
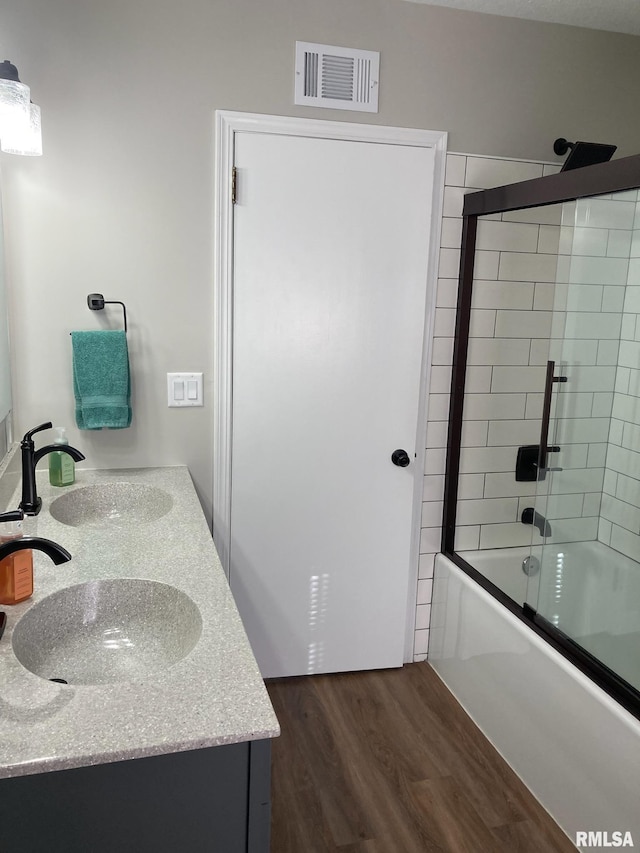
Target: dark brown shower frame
x: 614, y: 176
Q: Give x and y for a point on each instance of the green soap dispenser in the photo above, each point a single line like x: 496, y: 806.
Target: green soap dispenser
x: 62, y: 468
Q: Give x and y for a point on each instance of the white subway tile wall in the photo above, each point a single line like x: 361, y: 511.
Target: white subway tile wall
x: 497, y: 295
x: 620, y: 510
x: 520, y: 318
x: 566, y: 322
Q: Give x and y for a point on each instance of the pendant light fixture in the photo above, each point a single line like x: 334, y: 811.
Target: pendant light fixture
x: 20, y: 129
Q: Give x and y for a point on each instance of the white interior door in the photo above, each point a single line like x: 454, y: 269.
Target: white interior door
x: 331, y: 245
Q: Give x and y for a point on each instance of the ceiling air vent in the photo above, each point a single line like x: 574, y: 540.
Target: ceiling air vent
x: 341, y: 78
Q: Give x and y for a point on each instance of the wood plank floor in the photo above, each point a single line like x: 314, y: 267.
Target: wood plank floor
x: 388, y: 762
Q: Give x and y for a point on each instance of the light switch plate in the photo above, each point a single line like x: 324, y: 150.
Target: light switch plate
x: 184, y: 389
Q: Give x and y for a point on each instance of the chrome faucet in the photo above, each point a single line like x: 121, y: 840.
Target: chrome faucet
x: 530, y: 516
x: 30, y: 502
x: 56, y: 552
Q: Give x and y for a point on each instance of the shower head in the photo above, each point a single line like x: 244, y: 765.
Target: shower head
x: 582, y: 153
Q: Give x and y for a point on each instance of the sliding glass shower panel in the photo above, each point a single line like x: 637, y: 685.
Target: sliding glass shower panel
x: 586, y: 538
x: 511, y: 320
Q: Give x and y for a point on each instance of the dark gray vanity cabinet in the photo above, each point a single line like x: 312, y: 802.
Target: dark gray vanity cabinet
x: 213, y: 800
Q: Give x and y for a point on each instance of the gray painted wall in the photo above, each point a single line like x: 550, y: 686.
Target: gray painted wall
x: 121, y: 203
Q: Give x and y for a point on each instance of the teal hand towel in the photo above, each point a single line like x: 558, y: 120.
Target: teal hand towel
x: 101, y: 382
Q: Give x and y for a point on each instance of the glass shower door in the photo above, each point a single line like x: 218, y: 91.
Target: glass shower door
x: 557, y: 512
x: 587, y: 514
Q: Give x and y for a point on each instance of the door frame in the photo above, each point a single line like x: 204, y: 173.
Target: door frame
x: 227, y: 124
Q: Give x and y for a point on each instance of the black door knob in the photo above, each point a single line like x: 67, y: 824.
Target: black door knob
x: 400, y: 458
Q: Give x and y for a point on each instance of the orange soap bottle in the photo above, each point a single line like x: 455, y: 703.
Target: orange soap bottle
x: 16, y: 570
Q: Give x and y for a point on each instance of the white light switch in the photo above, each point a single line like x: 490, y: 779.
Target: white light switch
x: 184, y: 389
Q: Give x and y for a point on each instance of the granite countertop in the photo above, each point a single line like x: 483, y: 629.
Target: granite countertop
x: 215, y: 695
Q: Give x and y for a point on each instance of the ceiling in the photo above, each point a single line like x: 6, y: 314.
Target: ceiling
x: 619, y: 16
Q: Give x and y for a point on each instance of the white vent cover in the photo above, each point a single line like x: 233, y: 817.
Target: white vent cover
x: 341, y: 78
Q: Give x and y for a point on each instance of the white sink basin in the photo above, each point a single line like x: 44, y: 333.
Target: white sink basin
x: 119, y: 504
x: 106, y: 631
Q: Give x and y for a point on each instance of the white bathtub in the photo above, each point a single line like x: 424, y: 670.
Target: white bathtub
x: 576, y: 749
x: 586, y: 589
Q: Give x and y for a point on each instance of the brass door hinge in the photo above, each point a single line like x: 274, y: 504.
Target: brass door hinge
x: 234, y: 185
